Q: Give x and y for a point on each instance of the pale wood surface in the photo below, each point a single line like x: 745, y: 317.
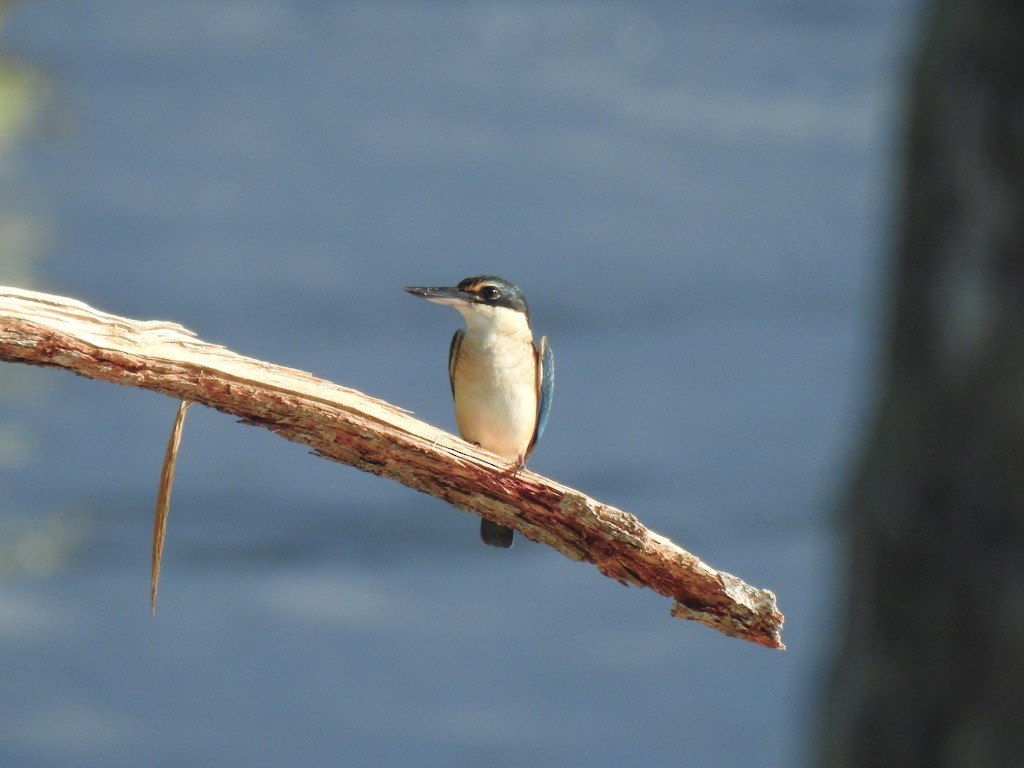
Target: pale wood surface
x: 375, y: 436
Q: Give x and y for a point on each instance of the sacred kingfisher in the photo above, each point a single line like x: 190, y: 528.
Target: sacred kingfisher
x: 500, y: 381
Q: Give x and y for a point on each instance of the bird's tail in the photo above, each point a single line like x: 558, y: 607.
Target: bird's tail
x: 495, y: 535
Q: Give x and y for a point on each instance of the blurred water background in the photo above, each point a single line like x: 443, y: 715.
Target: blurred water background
x: 694, y: 198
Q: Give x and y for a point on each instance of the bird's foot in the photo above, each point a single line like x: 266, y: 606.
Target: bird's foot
x: 518, y: 466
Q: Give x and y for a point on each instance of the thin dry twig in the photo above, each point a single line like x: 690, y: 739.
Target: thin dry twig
x: 163, y: 502
x: 375, y: 436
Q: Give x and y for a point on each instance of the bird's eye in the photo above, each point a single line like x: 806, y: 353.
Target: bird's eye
x: 489, y: 293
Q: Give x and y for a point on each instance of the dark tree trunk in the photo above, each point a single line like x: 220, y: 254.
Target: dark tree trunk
x: 930, y: 668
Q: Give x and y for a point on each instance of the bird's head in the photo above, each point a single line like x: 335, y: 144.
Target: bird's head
x: 487, y: 302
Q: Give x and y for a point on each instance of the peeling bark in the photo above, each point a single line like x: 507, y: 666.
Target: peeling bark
x: 372, y: 435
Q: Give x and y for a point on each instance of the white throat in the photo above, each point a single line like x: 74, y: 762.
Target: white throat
x: 485, y: 323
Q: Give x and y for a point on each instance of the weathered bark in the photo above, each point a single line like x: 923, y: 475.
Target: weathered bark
x: 369, y: 434
x: 930, y: 671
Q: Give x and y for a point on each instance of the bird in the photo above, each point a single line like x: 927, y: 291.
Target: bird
x: 501, y: 381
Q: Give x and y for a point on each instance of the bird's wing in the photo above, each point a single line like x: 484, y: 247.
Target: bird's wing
x: 545, y: 386
x: 453, y: 356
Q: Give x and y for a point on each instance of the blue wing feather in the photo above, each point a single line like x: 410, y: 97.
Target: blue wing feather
x: 453, y: 356
x: 545, y: 387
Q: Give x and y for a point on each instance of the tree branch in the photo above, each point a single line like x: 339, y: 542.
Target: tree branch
x: 374, y: 436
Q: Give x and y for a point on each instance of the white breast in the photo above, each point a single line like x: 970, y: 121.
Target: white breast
x: 495, y: 385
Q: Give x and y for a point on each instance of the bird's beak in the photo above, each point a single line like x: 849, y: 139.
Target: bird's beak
x: 453, y: 297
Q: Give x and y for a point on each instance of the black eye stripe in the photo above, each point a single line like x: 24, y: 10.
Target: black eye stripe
x: 494, y: 292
